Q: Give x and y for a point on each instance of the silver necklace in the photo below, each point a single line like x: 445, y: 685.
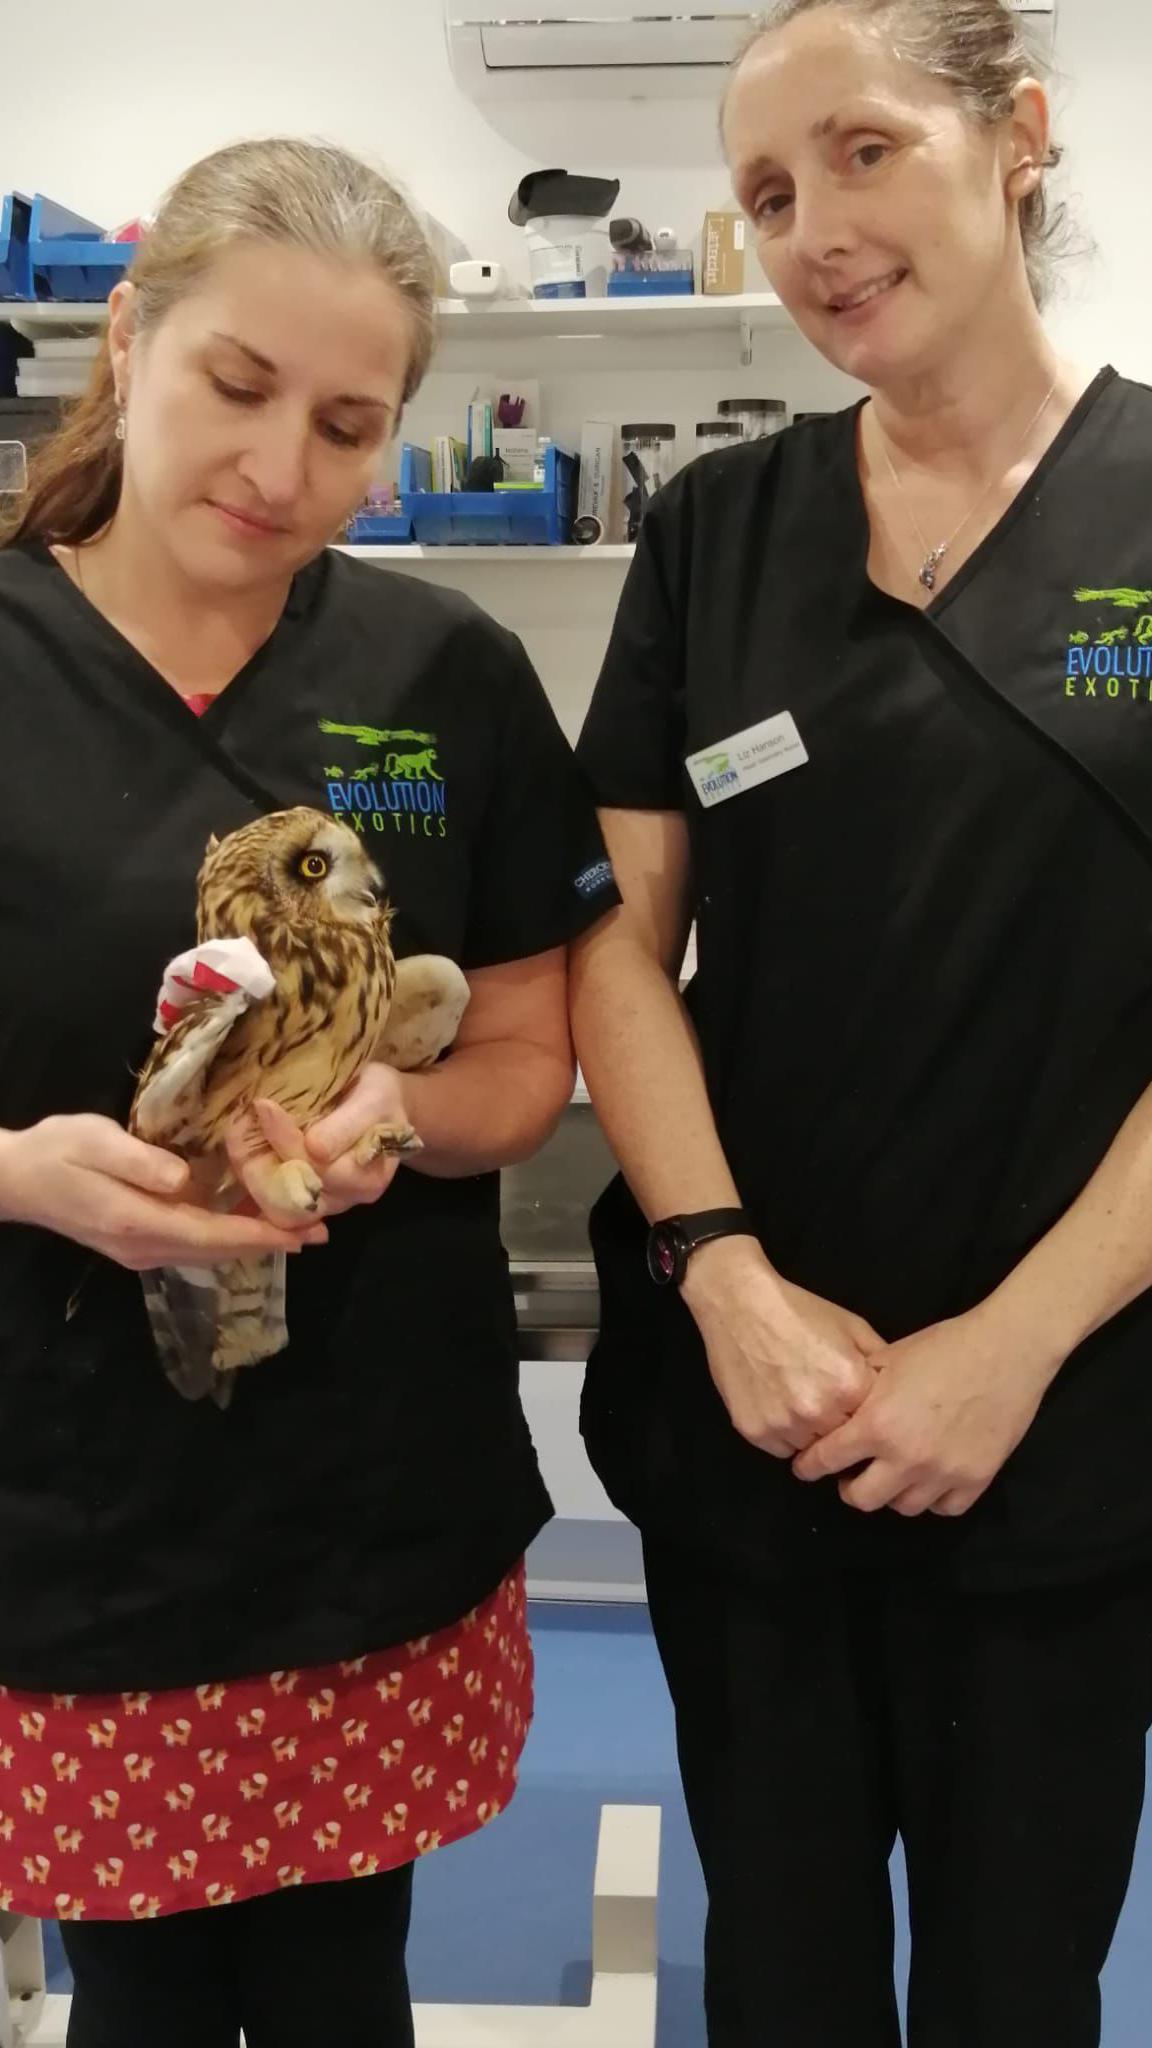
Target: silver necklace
x: 933, y: 556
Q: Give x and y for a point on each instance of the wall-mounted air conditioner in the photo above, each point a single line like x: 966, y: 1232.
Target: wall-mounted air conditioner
x: 592, y: 49
x: 610, y: 49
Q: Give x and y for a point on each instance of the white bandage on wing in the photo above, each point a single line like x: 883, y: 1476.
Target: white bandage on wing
x: 219, y: 967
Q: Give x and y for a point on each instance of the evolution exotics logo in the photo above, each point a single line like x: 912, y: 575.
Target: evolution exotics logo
x: 400, y: 788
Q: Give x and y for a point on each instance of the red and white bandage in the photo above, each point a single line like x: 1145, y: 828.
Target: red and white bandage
x: 221, y: 967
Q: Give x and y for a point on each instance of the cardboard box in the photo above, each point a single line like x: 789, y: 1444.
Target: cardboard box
x: 598, y: 478
x: 722, y: 254
x: 517, y: 447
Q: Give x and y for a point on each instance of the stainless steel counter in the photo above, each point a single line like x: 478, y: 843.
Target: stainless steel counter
x: 588, y: 1552
x: 557, y: 1308
x: 544, y: 1221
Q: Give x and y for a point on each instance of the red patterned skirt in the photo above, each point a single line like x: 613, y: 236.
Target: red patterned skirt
x: 131, y: 1805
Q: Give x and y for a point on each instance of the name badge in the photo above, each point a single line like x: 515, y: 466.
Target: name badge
x: 747, y: 759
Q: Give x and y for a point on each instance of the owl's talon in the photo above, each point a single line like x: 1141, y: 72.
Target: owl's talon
x: 300, y: 1186
x: 386, y: 1140
x: 291, y: 1188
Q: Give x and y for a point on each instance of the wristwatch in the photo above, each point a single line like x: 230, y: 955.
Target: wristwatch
x: 672, y: 1241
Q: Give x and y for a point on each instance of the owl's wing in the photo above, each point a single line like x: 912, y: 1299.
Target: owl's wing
x: 171, y: 1090
x: 205, y: 1321
x: 204, y: 993
x: 428, y: 1002
x: 209, y: 1321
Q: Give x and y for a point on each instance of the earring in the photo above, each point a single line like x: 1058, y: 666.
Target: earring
x: 121, y: 428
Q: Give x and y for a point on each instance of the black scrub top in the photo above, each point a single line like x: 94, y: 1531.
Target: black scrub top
x: 924, y: 994
x: 374, y: 1480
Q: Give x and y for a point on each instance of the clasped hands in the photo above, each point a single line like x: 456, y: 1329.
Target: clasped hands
x: 922, y: 1425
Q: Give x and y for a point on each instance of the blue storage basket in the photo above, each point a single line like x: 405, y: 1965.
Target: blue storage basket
x: 376, y: 528
x: 523, y: 518
x: 15, y: 262
x: 651, y: 284
x: 70, y: 259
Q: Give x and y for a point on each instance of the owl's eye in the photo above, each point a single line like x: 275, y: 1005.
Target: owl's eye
x: 314, y: 867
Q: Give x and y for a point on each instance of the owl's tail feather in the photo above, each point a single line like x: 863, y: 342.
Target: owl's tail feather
x: 210, y: 1321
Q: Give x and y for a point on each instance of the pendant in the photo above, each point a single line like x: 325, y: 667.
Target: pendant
x: 930, y: 565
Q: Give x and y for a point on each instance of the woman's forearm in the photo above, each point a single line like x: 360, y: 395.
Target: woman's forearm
x: 486, y: 1106
x: 640, y: 1057
x: 1096, y: 1259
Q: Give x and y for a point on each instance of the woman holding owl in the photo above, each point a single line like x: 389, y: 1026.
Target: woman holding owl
x: 259, y: 1656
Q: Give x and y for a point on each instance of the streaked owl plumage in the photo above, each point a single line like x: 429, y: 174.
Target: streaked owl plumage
x: 301, y: 887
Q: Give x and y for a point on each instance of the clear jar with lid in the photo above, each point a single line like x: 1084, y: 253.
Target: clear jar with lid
x: 13, y: 470
x: 648, y: 456
x: 759, y: 417
x: 712, y: 435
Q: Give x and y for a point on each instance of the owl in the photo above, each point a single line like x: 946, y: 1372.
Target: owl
x: 300, y: 890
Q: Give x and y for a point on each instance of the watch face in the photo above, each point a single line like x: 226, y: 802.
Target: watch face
x: 663, y: 1261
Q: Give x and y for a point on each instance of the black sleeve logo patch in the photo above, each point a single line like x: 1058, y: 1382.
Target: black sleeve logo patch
x: 591, y: 880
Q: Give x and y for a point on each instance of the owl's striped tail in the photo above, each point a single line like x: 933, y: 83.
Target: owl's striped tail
x: 210, y: 1321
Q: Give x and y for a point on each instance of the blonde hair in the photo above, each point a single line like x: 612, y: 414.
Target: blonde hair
x: 304, y: 193
x: 977, y: 49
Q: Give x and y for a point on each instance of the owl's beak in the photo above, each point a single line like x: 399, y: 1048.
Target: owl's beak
x: 376, y: 892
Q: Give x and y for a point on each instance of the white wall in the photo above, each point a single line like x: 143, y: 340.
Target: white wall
x: 1104, y: 61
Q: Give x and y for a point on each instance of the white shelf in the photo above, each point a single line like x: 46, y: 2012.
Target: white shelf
x: 581, y: 319
x: 385, y: 554
x: 31, y: 319
x: 504, y: 319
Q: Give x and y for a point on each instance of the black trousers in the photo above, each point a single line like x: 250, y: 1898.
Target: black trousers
x: 286, y: 1968
x: 1001, y: 1736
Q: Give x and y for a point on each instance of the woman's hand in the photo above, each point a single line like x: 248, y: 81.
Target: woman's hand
x: 788, y: 1365
x: 945, y: 1413
x: 87, y: 1179
x: 343, y: 1148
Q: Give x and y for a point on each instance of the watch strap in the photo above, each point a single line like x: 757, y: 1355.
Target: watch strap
x: 673, y: 1239
x: 706, y: 1224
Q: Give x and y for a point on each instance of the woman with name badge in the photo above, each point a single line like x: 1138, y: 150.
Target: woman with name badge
x: 873, y: 1373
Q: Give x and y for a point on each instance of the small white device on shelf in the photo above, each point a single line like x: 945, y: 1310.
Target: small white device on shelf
x: 478, y: 279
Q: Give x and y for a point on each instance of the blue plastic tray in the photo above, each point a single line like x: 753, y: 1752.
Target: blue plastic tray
x: 70, y: 259
x: 490, y: 518
x: 15, y: 264
x: 650, y: 284
x: 378, y: 527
